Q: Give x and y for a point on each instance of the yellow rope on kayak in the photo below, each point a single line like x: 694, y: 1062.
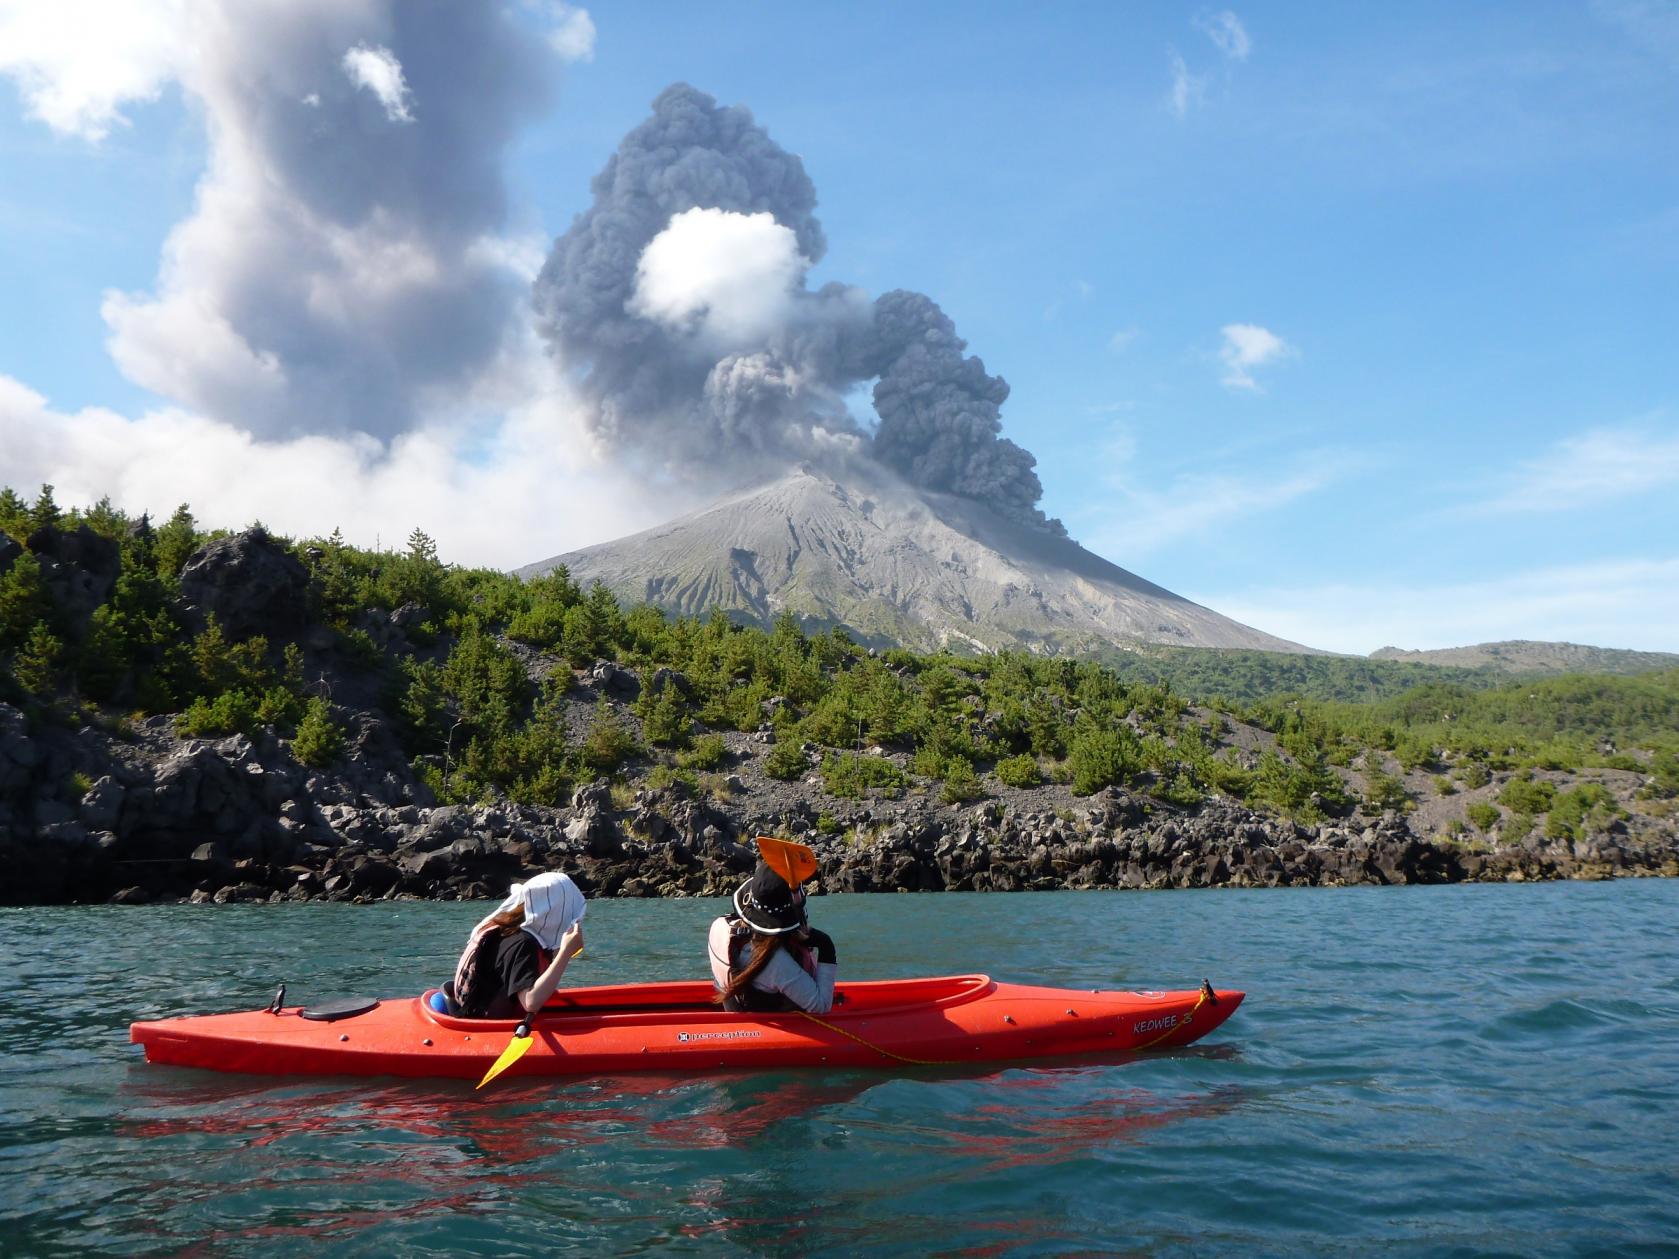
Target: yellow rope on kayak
x: 1206, y: 996
x: 880, y: 1049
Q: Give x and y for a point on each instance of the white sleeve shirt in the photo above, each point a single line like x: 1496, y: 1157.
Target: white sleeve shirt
x: 781, y: 975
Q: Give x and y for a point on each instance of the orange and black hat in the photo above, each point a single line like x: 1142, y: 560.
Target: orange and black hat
x: 772, y: 902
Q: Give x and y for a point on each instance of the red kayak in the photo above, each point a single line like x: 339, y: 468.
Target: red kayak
x: 945, y: 1021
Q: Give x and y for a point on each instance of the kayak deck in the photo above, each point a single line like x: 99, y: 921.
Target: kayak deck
x: 942, y: 1021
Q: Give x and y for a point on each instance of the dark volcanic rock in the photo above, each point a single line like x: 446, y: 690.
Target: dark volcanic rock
x: 248, y: 582
x: 79, y: 569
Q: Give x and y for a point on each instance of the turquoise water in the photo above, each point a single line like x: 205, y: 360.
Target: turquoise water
x: 1417, y: 1071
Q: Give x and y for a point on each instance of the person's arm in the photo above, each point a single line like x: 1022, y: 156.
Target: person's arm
x: 536, y: 996
x: 784, y: 975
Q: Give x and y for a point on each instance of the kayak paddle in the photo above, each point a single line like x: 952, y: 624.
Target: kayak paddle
x: 516, y: 1049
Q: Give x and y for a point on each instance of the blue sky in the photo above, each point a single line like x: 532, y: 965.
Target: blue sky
x: 1354, y: 322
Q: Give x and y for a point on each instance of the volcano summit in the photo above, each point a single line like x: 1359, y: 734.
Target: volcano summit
x: 860, y: 547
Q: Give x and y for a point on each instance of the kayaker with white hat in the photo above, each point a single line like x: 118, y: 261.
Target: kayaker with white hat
x: 514, y: 958
x: 767, y: 956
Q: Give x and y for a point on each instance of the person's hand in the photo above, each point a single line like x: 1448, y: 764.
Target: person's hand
x: 571, y: 943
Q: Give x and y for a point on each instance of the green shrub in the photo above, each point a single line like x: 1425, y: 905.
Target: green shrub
x: 1102, y: 758
x: 609, y: 743
x: 1474, y: 774
x: 1588, y: 807
x: 1527, y: 795
x: 1383, y: 791
x: 1018, y: 771
x: 319, y: 738
x: 706, y: 752
x: 662, y: 776
x: 827, y: 824
x: 960, y: 782
x: 232, y: 712
x: 665, y: 719
x: 1444, y: 786
x: 1483, y: 816
x: 786, y: 760
x: 850, y: 775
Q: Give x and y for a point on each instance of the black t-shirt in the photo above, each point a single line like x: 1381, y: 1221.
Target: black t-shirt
x: 518, y: 964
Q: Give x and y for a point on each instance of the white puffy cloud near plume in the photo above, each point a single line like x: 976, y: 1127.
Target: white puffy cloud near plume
x: 1599, y: 466
x: 1246, y: 347
x: 1616, y: 602
x: 527, y: 490
x: 378, y: 70
x: 341, y: 323
x: 573, y: 32
x: 77, y: 62
x: 728, y: 277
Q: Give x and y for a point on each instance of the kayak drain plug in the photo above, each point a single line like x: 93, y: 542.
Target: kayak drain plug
x: 1008, y: 1018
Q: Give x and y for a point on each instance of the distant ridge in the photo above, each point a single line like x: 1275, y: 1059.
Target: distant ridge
x: 1526, y: 656
x: 897, y: 565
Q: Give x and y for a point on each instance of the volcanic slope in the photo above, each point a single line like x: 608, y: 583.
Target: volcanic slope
x: 896, y: 565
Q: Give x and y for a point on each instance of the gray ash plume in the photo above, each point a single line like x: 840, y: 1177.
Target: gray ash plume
x: 679, y: 301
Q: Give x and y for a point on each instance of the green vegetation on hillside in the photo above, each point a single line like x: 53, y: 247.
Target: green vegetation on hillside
x: 477, y: 683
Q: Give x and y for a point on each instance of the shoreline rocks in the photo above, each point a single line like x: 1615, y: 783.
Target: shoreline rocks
x: 88, y: 817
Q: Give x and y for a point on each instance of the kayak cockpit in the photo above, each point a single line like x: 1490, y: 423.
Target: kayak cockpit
x: 692, y: 998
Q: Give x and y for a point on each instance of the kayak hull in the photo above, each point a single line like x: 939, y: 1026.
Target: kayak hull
x: 943, y: 1021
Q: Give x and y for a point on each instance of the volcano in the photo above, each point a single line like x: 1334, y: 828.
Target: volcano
x: 896, y: 565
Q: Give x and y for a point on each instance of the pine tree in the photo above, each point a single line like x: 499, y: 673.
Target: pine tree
x: 175, y: 542
x: 36, y: 663
x: 14, y: 514
x: 45, y: 513
x: 23, y: 601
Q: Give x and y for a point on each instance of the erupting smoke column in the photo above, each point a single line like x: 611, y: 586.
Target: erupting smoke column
x: 680, y: 298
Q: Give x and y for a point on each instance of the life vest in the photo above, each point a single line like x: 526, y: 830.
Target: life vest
x: 476, y: 988
x: 753, y: 999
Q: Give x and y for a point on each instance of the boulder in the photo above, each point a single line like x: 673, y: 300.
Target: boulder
x: 248, y: 582
x: 79, y: 568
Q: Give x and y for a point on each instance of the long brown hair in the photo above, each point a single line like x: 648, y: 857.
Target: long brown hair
x: 508, y: 922
x: 763, y: 949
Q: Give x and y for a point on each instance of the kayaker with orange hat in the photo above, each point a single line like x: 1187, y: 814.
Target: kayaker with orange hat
x: 767, y: 956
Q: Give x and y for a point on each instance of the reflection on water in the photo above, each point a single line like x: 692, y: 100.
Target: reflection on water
x: 255, y: 1163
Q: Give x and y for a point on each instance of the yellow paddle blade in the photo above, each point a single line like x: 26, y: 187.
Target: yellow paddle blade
x: 792, y: 861
x: 516, y: 1049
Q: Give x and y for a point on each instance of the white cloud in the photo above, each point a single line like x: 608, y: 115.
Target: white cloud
x: 1228, y: 34
x: 1247, y: 346
x: 1602, y: 465
x: 1187, y: 89
x: 573, y: 33
x: 1122, y: 340
x: 1616, y: 602
x: 1140, y: 513
x: 77, y: 62
x: 729, y: 277
x: 526, y: 490
x: 378, y: 70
